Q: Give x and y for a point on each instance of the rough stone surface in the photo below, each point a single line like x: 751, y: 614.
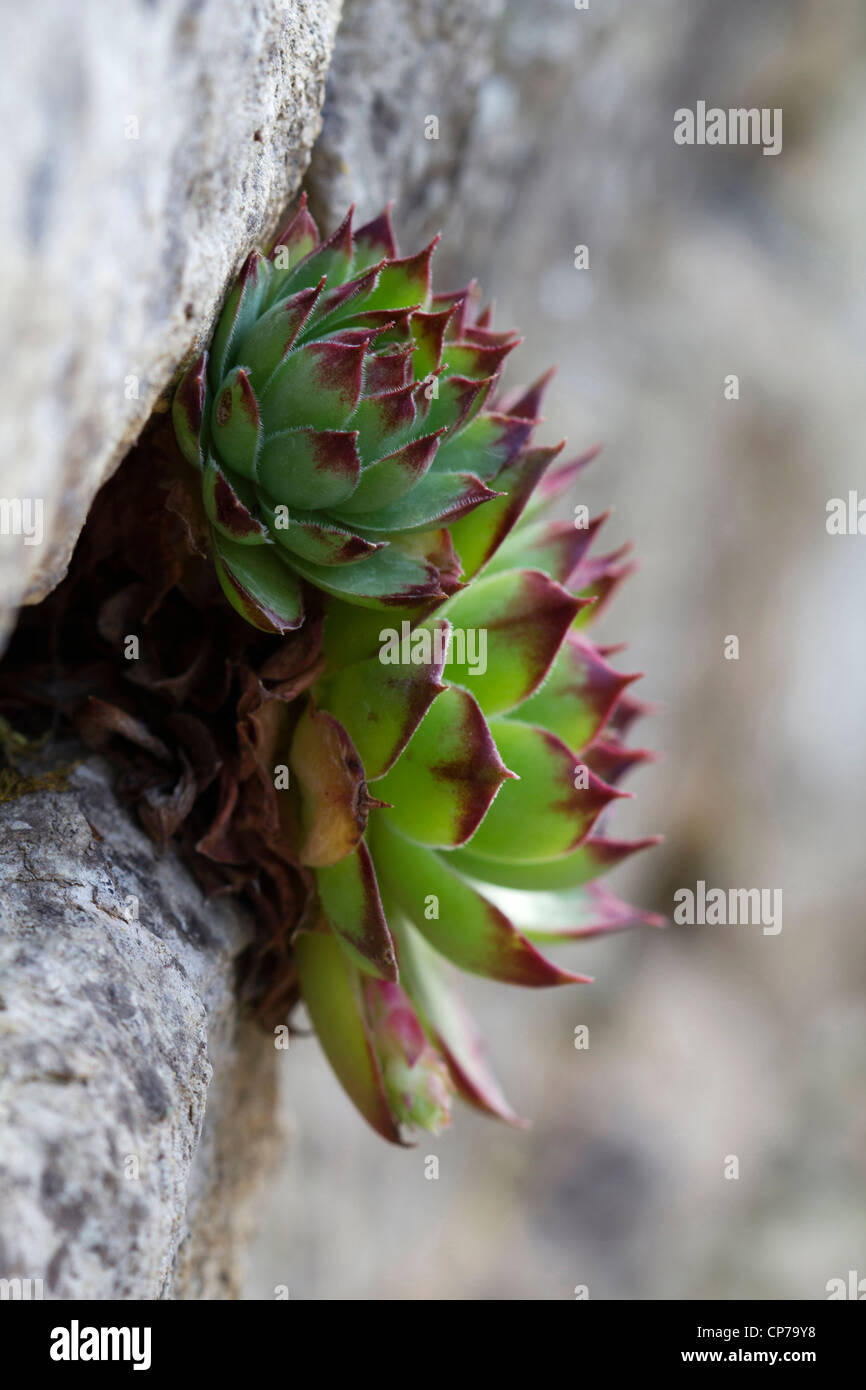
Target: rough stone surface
x: 133, y: 1103
x: 398, y: 66
x: 141, y: 170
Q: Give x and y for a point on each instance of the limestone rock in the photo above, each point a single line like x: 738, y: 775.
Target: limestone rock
x: 401, y: 102
x: 133, y: 1101
x: 153, y: 147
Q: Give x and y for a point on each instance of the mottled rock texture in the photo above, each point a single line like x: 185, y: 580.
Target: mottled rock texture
x: 132, y: 1099
x: 401, y: 102
x: 143, y: 168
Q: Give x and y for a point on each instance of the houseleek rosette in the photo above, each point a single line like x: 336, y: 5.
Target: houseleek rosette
x: 352, y: 438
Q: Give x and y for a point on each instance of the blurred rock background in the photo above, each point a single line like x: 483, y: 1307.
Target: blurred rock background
x: 705, y: 1042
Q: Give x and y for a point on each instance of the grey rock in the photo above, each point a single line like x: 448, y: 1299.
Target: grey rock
x: 142, y: 169
x: 398, y: 64
x: 135, y: 1106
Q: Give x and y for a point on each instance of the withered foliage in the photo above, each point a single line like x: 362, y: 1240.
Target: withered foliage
x: 138, y: 655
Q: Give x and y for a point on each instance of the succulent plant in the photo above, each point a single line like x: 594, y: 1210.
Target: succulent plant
x: 450, y: 767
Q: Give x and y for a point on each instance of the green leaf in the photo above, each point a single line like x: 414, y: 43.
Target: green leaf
x: 578, y: 696
x: 453, y: 401
x: 556, y: 547
x: 573, y: 915
x: 479, y: 360
x: 391, y: 477
x: 264, y: 344
x: 312, y: 536
x: 382, y: 580
x: 381, y: 706
x: 332, y: 258
x: 557, y: 483
x: 428, y: 333
x: 384, y: 422
x: 299, y: 236
x: 404, y: 283
x: 594, y: 857
x: 471, y: 931
x: 230, y: 503
x: 259, y: 584
x: 484, y: 446
x: 317, y: 386
x: 517, y: 622
x: 433, y: 987
x: 375, y: 241
x: 236, y: 427
x: 310, y: 468
x: 240, y: 311
x: 353, y: 634
x: 544, y: 815
x: 350, y: 900
x: 190, y: 410
x: 478, y: 535
x: 444, y: 783
x: 331, y: 990
x: 434, y: 501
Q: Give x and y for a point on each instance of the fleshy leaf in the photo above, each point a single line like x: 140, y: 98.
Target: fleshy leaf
x: 350, y: 900
x: 594, y: 857
x: 334, y: 311
x: 485, y: 446
x: 387, y: 579
x: 612, y: 760
x: 444, y: 784
x: 383, y: 421
x: 544, y: 815
x: 241, y: 308
x: 599, y: 579
x: 381, y: 705
x: 523, y: 618
x: 557, y: 547
x: 317, y: 385
x: 479, y: 535
x: 473, y: 359
x: 259, y: 584
x: 333, y: 796
x: 230, y: 503
x: 454, y: 402
x: 578, y: 696
x: 387, y: 371
x: 557, y: 481
x: 404, y: 283
x: 298, y: 238
x: 236, y: 427
x: 527, y: 401
x: 428, y: 332
x: 332, y: 991
x: 432, y: 984
x: 417, y: 1081
x: 391, y: 477
x: 265, y: 343
x: 313, y: 537
x: 332, y: 258
x: 355, y: 634
x: 436, y: 500
x: 471, y: 931
x: 572, y: 915
x: 306, y: 468
x: 190, y: 409
x: 375, y: 241
x: 627, y: 709
x: 460, y: 302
